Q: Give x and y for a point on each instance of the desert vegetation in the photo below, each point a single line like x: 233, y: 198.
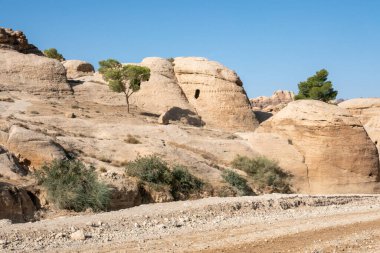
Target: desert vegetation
x: 317, y: 87
x: 70, y: 185
x: 54, y: 54
x: 123, y: 78
x: 239, y: 183
x: 267, y: 175
x: 156, y: 172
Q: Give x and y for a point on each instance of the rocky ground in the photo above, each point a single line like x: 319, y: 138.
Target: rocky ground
x: 269, y: 223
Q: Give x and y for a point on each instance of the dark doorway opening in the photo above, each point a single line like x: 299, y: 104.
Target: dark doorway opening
x: 197, y: 92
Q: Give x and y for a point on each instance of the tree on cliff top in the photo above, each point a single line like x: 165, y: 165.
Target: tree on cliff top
x: 317, y: 87
x: 123, y: 78
x: 53, y: 53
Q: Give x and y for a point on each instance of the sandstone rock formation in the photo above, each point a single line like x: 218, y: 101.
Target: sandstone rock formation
x: 368, y: 112
x: 16, y: 40
x: 15, y: 203
x: 94, y: 89
x: 77, y: 68
x: 337, y: 153
x: 222, y: 105
x: 24, y: 68
x: 33, y: 148
x: 31, y: 73
x: 216, y: 93
x: 162, y: 91
x: 275, y: 103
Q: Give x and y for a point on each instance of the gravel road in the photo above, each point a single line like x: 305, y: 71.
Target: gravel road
x: 269, y: 223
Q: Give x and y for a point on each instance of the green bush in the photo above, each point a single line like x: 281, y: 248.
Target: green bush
x: 152, y: 169
x: 237, y: 181
x: 184, y: 183
x: 267, y: 174
x: 70, y: 185
x: 53, y: 53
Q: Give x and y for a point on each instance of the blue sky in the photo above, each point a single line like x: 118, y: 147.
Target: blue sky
x: 271, y: 44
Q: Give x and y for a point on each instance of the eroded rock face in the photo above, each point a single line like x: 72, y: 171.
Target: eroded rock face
x: 338, y: 155
x: 16, y: 40
x: 77, y: 68
x: 367, y: 110
x: 31, y: 73
x: 24, y: 68
x: 216, y: 93
x: 275, y: 103
x: 162, y: 91
x: 10, y: 167
x: 33, y: 148
x: 15, y: 203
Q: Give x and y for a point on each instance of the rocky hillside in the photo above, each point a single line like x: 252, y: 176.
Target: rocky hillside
x: 52, y: 110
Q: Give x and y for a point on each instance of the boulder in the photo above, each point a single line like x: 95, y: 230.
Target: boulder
x: 216, y: 93
x: 76, y: 68
x: 32, y: 148
x: 367, y: 110
x: 16, y: 40
x: 31, y: 73
x: 16, y: 204
x: 337, y: 153
x: 179, y: 114
x: 163, y: 119
x: 275, y: 103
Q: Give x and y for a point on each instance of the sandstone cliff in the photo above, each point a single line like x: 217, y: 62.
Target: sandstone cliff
x: 326, y: 148
x: 216, y: 93
x: 367, y: 110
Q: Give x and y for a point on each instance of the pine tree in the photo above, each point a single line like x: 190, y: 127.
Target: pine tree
x: 317, y: 87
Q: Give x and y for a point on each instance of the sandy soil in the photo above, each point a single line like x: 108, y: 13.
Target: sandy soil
x: 270, y: 223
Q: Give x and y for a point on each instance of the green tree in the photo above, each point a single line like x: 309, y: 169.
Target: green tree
x: 53, y: 53
x: 317, y: 87
x: 123, y: 78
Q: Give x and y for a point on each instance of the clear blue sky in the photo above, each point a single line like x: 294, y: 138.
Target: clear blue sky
x: 271, y: 44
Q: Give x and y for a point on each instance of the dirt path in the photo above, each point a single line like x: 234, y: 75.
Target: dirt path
x: 356, y: 237
x: 272, y: 223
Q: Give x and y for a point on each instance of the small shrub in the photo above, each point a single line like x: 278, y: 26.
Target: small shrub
x: 266, y: 173
x: 150, y: 169
x: 132, y: 140
x: 53, y: 53
x: 103, y: 169
x: 156, y: 172
x: 237, y: 181
x: 70, y: 185
x: 184, y: 183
